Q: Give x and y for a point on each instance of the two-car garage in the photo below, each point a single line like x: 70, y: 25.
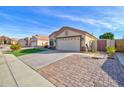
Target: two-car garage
x: 71, y: 39
x: 68, y: 43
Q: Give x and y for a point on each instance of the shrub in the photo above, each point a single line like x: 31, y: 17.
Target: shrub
x: 15, y: 47
x: 111, y: 50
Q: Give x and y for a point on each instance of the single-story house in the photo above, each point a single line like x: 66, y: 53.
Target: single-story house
x: 71, y: 39
x: 22, y: 42
x: 7, y: 41
x: 27, y: 41
x: 14, y: 41
x: 39, y: 40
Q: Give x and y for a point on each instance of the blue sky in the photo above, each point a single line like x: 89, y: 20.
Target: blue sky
x: 21, y: 22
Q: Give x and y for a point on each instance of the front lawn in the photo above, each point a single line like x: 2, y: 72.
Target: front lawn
x: 26, y: 51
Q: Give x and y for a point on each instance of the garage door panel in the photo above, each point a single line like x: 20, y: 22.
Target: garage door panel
x: 69, y: 44
x: 33, y: 44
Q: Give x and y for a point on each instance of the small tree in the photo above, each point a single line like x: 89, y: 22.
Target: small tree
x: 15, y: 47
x: 107, y: 35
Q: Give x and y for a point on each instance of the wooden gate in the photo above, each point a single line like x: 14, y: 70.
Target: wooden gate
x: 120, y: 45
x: 101, y: 45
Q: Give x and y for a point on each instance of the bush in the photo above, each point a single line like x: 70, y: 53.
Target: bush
x: 111, y: 50
x: 15, y: 47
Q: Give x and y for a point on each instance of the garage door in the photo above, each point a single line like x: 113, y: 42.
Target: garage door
x: 68, y: 44
x: 33, y: 44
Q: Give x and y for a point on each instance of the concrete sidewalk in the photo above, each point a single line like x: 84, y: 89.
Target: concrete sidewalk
x: 6, y: 78
x: 24, y: 75
x: 120, y: 57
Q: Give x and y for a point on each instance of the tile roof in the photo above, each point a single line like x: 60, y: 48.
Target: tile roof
x: 41, y: 37
x: 4, y: 38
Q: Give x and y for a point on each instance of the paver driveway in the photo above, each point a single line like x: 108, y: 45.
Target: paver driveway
x: 38, y: 60
x: 78, y: 71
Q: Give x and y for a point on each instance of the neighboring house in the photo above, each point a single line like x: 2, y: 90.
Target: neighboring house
x: 39, y: 40
x: 22, y: 42
x: 34, y: 41
x: 71, y: 39
x: 14, y: 41
x: 7, y: 41
x: 27, y: 41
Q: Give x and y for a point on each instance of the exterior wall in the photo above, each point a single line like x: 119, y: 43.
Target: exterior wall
x: 22, y: 43
x: 94, y: 47
x: 52, y: 37
x: 42, y: 43
x: 91, y: 43
x: 38, y: 41
x: 27, y: 39
x: 33, y: 42
x: 68, y: 33
x: 88, y: 40
x: 13, y: 42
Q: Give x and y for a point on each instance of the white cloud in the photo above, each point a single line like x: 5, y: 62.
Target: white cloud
x: 92, y: 21
x: 25, y: 20
x: 111, y: 17
x: 6, y: 16
x: 87, y: 20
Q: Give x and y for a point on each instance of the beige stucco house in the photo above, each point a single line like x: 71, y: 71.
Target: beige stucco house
x: 34, y: 41
x: 39, y: 40
x: 7, y: 40
x: 22, y: 42
x: 71, y: 39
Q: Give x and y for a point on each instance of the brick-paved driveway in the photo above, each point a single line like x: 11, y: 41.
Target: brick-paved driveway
x: 78, y: 71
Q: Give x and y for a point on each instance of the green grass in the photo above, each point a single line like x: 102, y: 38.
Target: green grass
x: 26, y: 51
